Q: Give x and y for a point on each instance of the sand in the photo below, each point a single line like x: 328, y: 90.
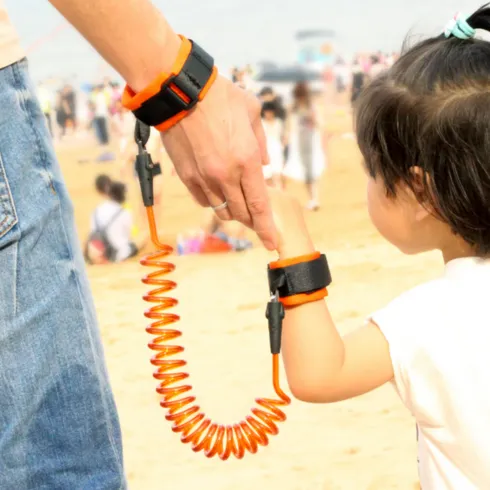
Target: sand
x: 365, y: 443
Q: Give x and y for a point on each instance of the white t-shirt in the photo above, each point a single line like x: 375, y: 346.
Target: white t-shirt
x: 101, y: 107
x: 119, y: 232
x: 439, y: 337
x: 273, y: 133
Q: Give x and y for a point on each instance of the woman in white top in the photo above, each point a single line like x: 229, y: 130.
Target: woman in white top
x: 307, y: 160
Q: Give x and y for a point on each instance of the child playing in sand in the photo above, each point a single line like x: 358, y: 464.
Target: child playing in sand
x: 423, y: 130
x: 110, y: 226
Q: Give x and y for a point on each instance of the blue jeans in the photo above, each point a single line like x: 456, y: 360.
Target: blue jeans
x: 59, y: 427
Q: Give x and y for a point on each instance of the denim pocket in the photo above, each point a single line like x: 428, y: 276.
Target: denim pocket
x: 8, y: 216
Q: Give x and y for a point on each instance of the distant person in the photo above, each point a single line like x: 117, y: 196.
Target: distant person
x: 358, y: 80
x: 266, y: 95
x: 45, y: 99
x: 101, y: 115
x: 274, y: 133
x: 62, y: 113
x: 248, y: 77
x: 69, y: 105
x: 341, y: 74
x: 377, y: 67
x: 103, y: 185
x: 304, y: 131
x: 123, y: 122
x: 111, y: 229
x: 240, y: 79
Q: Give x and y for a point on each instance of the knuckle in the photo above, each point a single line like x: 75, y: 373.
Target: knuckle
x: 187, y: 177
x: 257, y: 206
x: 215, y: 172
x: 239, y: 213
x: 241, y: 163
x: 249, y: 159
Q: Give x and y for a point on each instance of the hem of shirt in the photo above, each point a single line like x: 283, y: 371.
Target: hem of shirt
x: 11, y: 54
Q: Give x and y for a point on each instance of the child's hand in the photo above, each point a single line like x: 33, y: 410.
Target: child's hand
x: 293, y: 239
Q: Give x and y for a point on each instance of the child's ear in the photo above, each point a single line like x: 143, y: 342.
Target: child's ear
x: 419, y: 183
x: 418, y: 190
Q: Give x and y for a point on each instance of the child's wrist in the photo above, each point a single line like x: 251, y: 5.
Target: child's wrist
x: 295, y: 248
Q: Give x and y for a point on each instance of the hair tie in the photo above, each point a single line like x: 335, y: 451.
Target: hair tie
x: 459, y: 27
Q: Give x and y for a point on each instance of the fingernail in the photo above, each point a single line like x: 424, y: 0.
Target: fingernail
x: 269, y: 245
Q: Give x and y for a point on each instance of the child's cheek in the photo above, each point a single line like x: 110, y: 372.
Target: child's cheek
x: 376, y: 208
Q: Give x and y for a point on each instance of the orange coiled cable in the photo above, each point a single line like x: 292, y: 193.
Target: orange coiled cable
x: 188, y: 419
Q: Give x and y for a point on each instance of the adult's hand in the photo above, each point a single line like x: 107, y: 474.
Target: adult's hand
x: 219, y: 148
x: 218, y: 152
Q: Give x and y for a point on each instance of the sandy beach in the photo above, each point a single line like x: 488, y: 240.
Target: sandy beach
x: 362, y: 444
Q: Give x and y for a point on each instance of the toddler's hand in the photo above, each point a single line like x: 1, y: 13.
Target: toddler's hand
x: 293, y: 236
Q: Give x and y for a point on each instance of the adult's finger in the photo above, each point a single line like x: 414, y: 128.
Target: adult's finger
x: 231, y: 186
x: 255, y: 191
x: 198, y: 194
x: 254, y: 109
x: 259, y: 132
x: 188, y: 176
x: 217, y: 200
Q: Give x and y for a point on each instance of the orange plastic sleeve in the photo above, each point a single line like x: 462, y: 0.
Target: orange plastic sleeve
x: 178, y: 117
x: 133, y: 101
x: 299, y: 299
x: 294, y: 260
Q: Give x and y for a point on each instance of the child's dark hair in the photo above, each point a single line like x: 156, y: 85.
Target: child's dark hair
x: 268, y: 107
x: 117, y: 192
x: 432, y: 110
x: 266, y: 91
x: 103, y: 184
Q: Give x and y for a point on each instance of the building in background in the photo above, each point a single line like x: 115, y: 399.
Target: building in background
x: 315, y: 49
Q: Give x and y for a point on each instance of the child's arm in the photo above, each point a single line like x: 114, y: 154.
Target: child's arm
x: 321, y: 366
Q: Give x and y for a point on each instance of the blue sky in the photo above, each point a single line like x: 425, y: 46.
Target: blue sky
x: 239, y: 31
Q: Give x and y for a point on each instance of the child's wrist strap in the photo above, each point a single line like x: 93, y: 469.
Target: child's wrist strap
x: 300, y: 280
x: 172, y: 96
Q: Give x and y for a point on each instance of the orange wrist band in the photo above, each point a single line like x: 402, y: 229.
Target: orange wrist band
x: 172, y: 96
x: 300, y: 280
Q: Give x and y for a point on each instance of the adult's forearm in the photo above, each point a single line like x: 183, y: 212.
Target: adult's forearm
x: 131, y: 35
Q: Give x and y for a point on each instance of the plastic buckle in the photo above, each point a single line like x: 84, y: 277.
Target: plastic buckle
x: 173, y: 99
x: 145, y: 167
x: 275, y: 314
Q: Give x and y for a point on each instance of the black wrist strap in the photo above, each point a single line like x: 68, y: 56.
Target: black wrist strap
x: 302, y: 278
x: 190, y: 82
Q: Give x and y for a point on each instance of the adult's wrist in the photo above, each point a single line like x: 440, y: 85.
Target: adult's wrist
x: 159, y: 57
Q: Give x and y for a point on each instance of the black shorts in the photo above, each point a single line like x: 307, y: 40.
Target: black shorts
x: 286, y: 152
